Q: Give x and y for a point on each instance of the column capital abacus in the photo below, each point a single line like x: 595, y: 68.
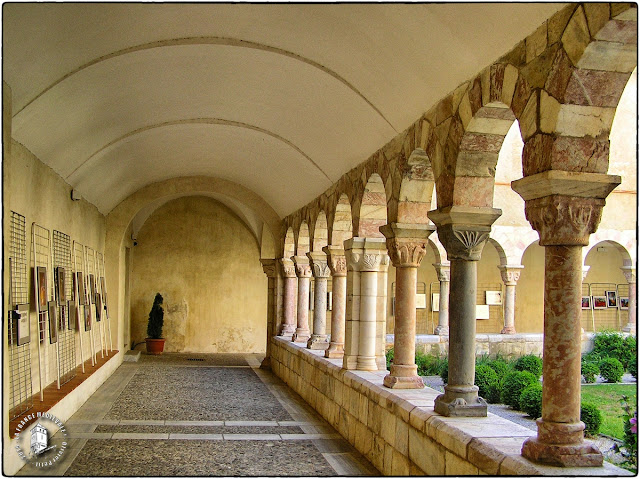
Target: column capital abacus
x: 336, y: 260
x: 464, y: 230
x: 406, y: 243
x: 319, y: 265
x: 303, y: 268
x: 366, y: 254
x: 288, y: 268
x: 629, y: 274
x: 443, y: 270
x: 565, y: 207
x: 270, y: 267
x: 510, y: 273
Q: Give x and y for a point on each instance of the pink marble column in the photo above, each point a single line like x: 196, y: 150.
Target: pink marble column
x: 444, y: 276
x: 407, y: 247
x: 510, y: 275
x: 630, y: 275
x: 319, y: 339
x: 564, y: 224
x: 338, y: 265
x: 303, y: 270
x: 463, y: 231
x: 290, y: 299
x: 269, y: 266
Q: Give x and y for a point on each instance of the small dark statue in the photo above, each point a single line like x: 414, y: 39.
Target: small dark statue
x: 155, y: 342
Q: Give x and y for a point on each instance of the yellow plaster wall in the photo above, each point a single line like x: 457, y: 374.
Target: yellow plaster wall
x: 604, y: 265
x: 529, y: 315
x: 206, y: 264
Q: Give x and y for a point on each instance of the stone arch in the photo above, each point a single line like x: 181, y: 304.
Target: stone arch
x: 302, y: 245
x: 373, y: 208
x: 439, y: 253
x: 412, y: 194
x: 623, y: 136
x: 289, y: 247
x: 627, y: 259
x: 501, y: 253
x: 514, y: 241
x: 342, y: 228
x: 320, y: 232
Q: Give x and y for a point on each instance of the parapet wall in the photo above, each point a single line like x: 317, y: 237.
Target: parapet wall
x: 398, y: 431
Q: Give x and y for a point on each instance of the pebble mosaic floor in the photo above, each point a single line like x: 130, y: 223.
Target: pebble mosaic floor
x: 218, y: 416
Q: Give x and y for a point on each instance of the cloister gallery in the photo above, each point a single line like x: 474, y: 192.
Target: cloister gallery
x: 315, y: 184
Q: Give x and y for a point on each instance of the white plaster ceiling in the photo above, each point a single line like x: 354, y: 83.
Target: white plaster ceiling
x: 282, y: 99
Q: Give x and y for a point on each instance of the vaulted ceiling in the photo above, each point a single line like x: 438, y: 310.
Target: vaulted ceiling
x: 281, y: 99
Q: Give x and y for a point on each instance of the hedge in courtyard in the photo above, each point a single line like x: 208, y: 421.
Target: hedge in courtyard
x: 512, y: 386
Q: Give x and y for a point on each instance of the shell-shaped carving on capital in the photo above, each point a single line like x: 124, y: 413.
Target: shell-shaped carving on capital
x: 371, y: 261
x: 338, y: 265
x: 321, y: 269
x: 407, y: 253
x: 303, y: 270
x: 467, y: 244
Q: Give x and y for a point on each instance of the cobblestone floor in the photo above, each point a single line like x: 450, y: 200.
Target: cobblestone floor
x: 222, y: 416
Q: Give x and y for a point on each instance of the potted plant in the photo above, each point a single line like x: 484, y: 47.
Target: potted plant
x: 155, y: 341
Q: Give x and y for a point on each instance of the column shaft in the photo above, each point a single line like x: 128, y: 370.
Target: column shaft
x: 289, y: 301
x: 302, y: 331
x: 367, y: 337
x: 509, y: 309
x: 339, y: 300
x: 319, y: 339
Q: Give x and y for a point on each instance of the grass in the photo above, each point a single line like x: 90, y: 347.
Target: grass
x: 607, y: 398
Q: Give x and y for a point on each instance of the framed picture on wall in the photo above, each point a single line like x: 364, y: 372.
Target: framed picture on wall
x: 60, y: 284
x: 98, y: 307
x: 103, y: 291
x: 73, y: 314
x: 493, y: 298
x: 78, y: 285
x: 21, y: 319
x: 482, y: 311
x: 586, y: 302
x: 41, y: 289
x: 435, y: 302
x: 329, y: 300
x: 421, y: 301
x: 92, y: 289
x: 53, y: 322
x: 612, y: 299
x: 87, y: 318
x: 599, y: 302
x: 624, y: 302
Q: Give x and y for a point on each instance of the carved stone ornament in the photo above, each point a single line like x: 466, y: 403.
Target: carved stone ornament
x: 564, y: 220
x: 303, y: 270
x: 288, y: 268
x: 338, y: 265
x: 371, y: 261
x: 321, y: 269
x: 510, y: 274
x: 269, y: 267
x: 444, y: 272
x: 406, y: 252
x: 629, y: 274
x: 464, y: 243
x: 353, y: 260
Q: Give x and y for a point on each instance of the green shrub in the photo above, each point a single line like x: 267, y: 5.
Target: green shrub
x: 589, y: 371
x: 530, y: 363
x: 591, y: 417
x: 493, y: 396
x: 428, y: 365
x: 483, y: 359
x: 444, y: 371
x: 500, y: 366
x: 630, y: 346
x: 485, y: 377
x: 612, y: 344
x: 531, y: 400
x: 633, y: 366
x: 611, y: 370
x: 156, y: 318
x: 389, y: 355
x: 512, y: 386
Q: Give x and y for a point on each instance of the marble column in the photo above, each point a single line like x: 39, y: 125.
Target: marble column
x: 510, y: 275
x: 338, y: 265
x: 630, y: 275
x: 407, y: 246
x: 444, y: 275
x: 319, y: 339
x: 269, y: 266
x: 463, y: 231
x: 564, y: 224
x: 290, y: 299
x: 303, y: 271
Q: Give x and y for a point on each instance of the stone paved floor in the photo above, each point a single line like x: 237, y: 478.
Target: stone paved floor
x: 218, y: 416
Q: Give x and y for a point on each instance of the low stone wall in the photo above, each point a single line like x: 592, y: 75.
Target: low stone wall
x: 398, y: 431
x: 505, y: 345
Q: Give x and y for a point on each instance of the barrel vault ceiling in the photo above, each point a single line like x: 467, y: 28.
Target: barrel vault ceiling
x: 281, y: 99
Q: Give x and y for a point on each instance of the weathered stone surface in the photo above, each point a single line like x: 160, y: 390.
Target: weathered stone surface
x: 517, y: 56
x: 576, y: 36
x: 529, y: 118
x: 596, y: 88
x: 497, y: 79
x: 536, y: 42
x: 559, y: 75
x: 537, y: 70
x: 597, y: 15
x: 549, y: 111
x: 580, y: 154
x: 619, y: 31
x: 475, y: 95
x: 558, y: 22
x: 536, y: 154
x: 456, y: 466
x: 486, y: 457
x: 481, y: 142
x: 577, y: 121
x: 444, y: 109
x: 571, y: 455
x: 609, y: 56
x: 473, y: 191
x: 509, y: 84
x: 427, y: 454
x: 520, y: 96
x: 617, y: 8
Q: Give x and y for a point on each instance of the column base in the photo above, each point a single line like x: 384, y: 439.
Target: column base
x: 400, y: 382
x: 508, y: 330
x: 301, y: 336
x: 564, y: 455
x: 350, y: 362
x: 287, y: 332
x: 461, y: 401
x: 629, y: 328
x: 335, y: 351
x: 318, y: 341
x: 266, y: 363
x: 367, y: 363
x: 442, y: 331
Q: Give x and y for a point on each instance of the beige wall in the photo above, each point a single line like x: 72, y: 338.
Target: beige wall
x: 529, y: 317
x: 206, y: 264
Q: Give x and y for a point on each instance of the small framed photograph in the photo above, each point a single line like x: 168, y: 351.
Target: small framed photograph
x: 586, y: 302
x: 624, y: 302
x: 435, y: 302
x: 41, y: 289
x: 599, y: 302
x: 60, y: 284
x: 329, y: 301
x: 482, y: 311
x: 612, y: 299
x: 53, y: 322
x: 87, y: 318
x: 92, y: 289
x: 98, y: 307
x: 103, y: 291
x: 421, y: 301
x: 78, y: 285
x: 493, y: 298
x: 73, y: 314
x: 21, y: 320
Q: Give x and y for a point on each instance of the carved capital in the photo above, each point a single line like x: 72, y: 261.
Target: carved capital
x: 564, y: 220
x: 270, y: 267
x: 303, y: 268
x: 443, y: 271
x: 406, y: 243
x: 319, y: 264
x: 336, y: 260
x: 366, y: 254
x: 510, y: 274
x: 629, y: 274
x: 288, y: 268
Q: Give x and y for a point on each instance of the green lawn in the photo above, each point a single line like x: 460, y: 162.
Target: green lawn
x: 607, y: 397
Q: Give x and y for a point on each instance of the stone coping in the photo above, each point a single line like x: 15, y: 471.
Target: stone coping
x: 491, y: 443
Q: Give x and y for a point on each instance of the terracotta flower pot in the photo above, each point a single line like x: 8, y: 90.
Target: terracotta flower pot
x: 155, y: 346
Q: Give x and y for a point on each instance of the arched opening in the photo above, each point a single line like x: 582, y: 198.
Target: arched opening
x: 289, y: 244
x: 342, y: 228
x: 373, y: 208
x: 320, y: 233
x: 529, y: 316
